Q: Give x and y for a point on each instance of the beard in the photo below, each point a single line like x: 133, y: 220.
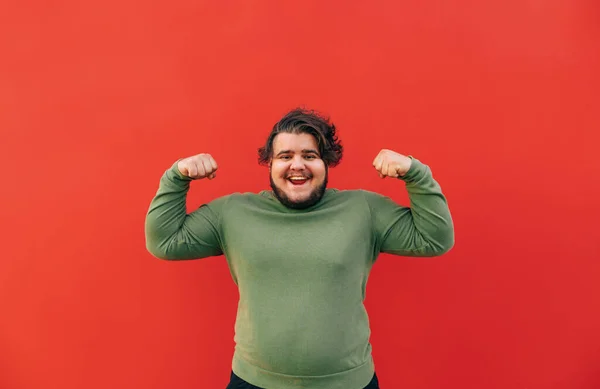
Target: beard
x: 315, y: 195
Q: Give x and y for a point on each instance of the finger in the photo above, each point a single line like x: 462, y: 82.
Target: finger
x: 381, y: 175
x: 211, y: 176
x: 376, y: 159
x: 391, y: 170
x: 200, y: 171
x: 206, y: 165
x: 384, y: 168
x: 189, y: 169
x: 213, y: 163
x: 377, y: 162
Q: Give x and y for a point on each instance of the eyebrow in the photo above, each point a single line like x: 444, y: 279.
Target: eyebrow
x: 305, y: 151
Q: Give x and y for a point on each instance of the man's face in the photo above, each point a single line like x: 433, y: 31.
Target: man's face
x: 298, y: 174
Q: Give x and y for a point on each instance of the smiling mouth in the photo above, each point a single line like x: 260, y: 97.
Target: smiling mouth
x: 299, y: 180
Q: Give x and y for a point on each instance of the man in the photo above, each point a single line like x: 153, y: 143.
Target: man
x: 301, y: 253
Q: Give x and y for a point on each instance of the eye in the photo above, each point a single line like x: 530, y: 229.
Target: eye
x: 285, y: 157
x: 311, y: 157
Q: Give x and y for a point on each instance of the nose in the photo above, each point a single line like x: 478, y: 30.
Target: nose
x: 297, y: 163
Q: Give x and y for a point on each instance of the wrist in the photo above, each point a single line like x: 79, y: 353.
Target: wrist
x: 405, y: 168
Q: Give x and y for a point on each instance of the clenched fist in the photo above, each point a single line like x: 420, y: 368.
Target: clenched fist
x: 391, y: 164
x: 198, y: 167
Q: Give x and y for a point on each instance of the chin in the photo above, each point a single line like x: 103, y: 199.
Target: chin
x: 297, y: 200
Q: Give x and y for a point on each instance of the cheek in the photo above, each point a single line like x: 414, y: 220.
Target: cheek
x: 319, y: 172
x: 277, y: 171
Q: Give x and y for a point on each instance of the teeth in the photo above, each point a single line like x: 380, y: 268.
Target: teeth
x: 298, y: 178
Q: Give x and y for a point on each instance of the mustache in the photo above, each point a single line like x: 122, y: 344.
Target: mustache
x: 299, y: 175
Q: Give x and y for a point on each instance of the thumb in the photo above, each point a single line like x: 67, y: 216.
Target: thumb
x: 211, y: 176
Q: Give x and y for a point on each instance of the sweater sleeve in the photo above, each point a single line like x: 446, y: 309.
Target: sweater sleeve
x: 172, y: 233
x: 425, y: 229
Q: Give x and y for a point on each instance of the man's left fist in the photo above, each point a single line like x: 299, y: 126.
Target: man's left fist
x: 391, y: 164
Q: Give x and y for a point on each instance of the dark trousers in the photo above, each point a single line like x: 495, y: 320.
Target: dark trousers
x: 238, y: 383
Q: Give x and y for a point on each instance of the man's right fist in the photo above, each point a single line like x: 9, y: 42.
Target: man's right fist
x: 198, y: 167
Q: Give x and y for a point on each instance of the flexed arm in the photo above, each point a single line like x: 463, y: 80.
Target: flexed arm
x: 425, y: 228
x: 173, y: 234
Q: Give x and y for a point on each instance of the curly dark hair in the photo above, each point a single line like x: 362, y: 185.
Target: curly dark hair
x: 306, y: 121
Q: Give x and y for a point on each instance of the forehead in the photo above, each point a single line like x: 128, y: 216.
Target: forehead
x: 294, y: 142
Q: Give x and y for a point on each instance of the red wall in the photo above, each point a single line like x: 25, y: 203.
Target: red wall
x: 501, y: 98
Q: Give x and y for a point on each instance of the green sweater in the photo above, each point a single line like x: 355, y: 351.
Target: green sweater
x: 301, y: 274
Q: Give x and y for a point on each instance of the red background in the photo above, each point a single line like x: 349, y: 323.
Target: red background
x: 501, y: 98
